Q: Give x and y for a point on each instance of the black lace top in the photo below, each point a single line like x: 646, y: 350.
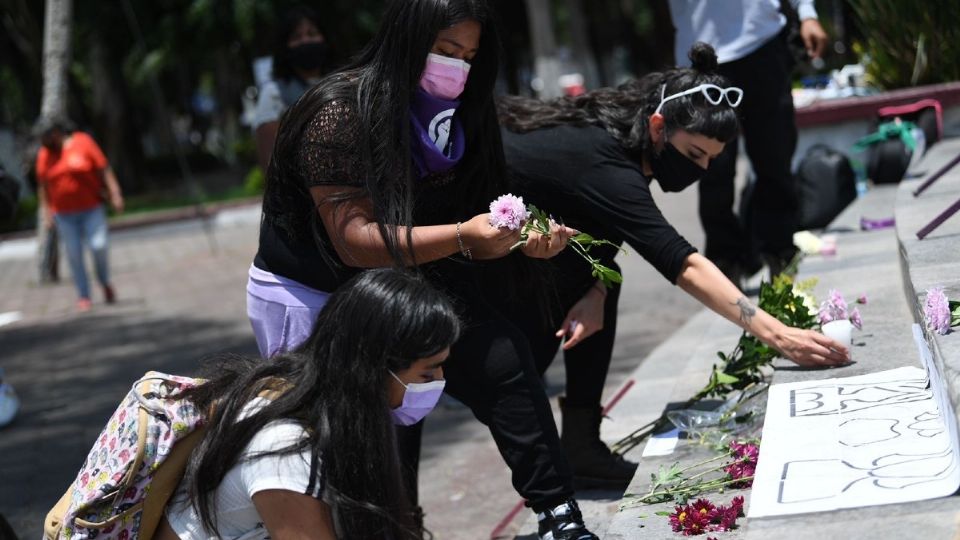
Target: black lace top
x: 329, y: 154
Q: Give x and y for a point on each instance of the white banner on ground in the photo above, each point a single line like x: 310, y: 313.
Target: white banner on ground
x: 881, y: 438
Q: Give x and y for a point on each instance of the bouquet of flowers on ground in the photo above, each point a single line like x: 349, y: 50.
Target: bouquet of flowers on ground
x: 733, y: 468
x: 509, y: 211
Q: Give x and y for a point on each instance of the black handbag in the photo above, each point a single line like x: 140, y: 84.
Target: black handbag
x: 827, y: 184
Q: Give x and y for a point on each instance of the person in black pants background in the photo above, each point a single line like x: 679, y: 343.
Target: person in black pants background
x: 589, y: 160
x: 750, y: 37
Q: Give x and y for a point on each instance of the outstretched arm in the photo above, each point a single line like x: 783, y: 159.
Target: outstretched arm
x: 701, y: 279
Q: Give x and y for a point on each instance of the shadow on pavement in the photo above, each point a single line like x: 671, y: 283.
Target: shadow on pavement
x: 70, y: 376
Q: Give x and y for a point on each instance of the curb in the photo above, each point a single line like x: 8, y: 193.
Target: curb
x: 157, y: 217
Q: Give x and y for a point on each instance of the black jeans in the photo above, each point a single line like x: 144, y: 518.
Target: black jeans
x: 588, y: 362
x: 770, y: 137
x: 491, y: 370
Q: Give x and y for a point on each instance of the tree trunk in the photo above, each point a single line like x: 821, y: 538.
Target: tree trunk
x: 580, y: 44
x: 546, y: 65
x: 56, y: 61
x: 56, y: 57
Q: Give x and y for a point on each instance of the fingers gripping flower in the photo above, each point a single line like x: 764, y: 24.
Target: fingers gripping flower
x: 509, y: 211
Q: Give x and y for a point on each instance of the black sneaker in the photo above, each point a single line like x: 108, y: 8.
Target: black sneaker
x: 563, y: 522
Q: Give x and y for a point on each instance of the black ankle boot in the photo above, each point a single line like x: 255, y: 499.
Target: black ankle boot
x: 594, y: 465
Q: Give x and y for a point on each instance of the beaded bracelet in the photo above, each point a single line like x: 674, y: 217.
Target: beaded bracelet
x: 463, y: 251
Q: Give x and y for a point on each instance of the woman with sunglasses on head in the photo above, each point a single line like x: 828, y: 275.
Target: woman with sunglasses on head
x: 393, y: 161
x: 590, y: 160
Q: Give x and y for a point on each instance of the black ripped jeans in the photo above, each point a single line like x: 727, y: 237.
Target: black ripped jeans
x: 491, y: 370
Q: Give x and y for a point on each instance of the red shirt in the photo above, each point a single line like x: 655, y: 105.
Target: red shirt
x: 70, y: 178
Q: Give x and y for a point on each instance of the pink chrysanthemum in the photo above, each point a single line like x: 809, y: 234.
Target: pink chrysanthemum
x: 862, y: 299
x: 937, y: 310
x: 679, y: 517
x: 726, y: 518
x: 737, y: 503
x: 704, y: 508
x: 744, y: 465
x: 834, y: 308
x: 508, y: 211
x: 855, y: 319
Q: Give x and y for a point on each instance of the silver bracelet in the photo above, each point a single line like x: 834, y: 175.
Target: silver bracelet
x: 465, y: 252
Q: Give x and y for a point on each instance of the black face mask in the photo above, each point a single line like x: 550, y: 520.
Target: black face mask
x: 673, y: 170
x: 308, y: 56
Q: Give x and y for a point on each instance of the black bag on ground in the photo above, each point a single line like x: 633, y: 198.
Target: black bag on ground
x: 827, y: 185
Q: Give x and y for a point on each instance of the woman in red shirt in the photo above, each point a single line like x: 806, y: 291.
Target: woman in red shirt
x: 71, y: 175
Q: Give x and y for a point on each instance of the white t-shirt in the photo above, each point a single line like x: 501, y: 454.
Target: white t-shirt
x: 735, y: 28
x: 270, y: 104
x: 236, y: 516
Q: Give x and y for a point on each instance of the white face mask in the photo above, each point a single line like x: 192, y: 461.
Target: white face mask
x: 418, y: 400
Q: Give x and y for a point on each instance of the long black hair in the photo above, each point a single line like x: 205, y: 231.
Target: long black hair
x: 291, y: 19
x: 625, y: 111
x: 335, y: 385
x: 377, y: 86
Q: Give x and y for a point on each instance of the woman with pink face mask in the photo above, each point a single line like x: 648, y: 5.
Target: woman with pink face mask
x: 393, y: 161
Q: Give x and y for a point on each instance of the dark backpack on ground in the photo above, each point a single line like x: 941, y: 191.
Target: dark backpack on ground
x: 826, y: 185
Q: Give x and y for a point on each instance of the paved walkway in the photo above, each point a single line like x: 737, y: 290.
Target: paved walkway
x: 180, y: 290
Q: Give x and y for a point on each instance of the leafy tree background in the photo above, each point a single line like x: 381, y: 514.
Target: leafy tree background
x: 200, y: 54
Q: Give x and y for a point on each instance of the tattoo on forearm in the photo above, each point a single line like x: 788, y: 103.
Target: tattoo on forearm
x: 747, y: 310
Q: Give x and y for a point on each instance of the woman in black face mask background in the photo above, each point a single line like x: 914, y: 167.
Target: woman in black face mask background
x: 300, y: 59
x: 589, y: 160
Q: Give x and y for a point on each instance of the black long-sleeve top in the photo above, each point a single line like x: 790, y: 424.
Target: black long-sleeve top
x: 584, y: 177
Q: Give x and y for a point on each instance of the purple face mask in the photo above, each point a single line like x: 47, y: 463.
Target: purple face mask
x: 418, y: 400
x: 443, y: 77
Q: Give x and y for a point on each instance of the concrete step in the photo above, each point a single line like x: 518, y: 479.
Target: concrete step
x: 670, y: 374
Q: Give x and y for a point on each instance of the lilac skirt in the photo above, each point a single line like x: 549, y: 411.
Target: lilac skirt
x: 281, y: 311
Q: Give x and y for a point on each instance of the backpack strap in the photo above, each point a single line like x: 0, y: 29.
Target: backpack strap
x: 165, y: 482
x: 53, y: 523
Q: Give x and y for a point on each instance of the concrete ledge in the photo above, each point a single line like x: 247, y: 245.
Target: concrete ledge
x: 875, y: 263
x: 859, y: 108
x: 935, y: 260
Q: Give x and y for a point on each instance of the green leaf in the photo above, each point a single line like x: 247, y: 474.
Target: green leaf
x: 663, y: 513
x: 725, y: 378
x: 583, y: 238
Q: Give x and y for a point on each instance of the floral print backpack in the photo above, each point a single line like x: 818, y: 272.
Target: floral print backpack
x: 134, y: 466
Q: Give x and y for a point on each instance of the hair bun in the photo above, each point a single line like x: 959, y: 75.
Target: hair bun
x: 702, y: 57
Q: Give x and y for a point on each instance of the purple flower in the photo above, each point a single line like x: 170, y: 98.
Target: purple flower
x: 862, y: 299
x: 855, y: 319
x: 508, y: 211
x: 937, y: 310
x: 835, y: 309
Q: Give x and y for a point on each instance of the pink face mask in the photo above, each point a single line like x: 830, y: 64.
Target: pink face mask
x: 444, y: 77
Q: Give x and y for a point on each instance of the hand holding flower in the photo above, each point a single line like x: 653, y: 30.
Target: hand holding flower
x: 510, y: 213
x: 545, y: 246
x: 485, y: 241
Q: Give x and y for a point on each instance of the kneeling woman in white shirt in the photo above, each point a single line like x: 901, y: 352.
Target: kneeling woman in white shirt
x: 317, y: 458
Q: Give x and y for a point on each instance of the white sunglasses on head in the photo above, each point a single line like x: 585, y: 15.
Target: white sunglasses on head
x: 711, y: 92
